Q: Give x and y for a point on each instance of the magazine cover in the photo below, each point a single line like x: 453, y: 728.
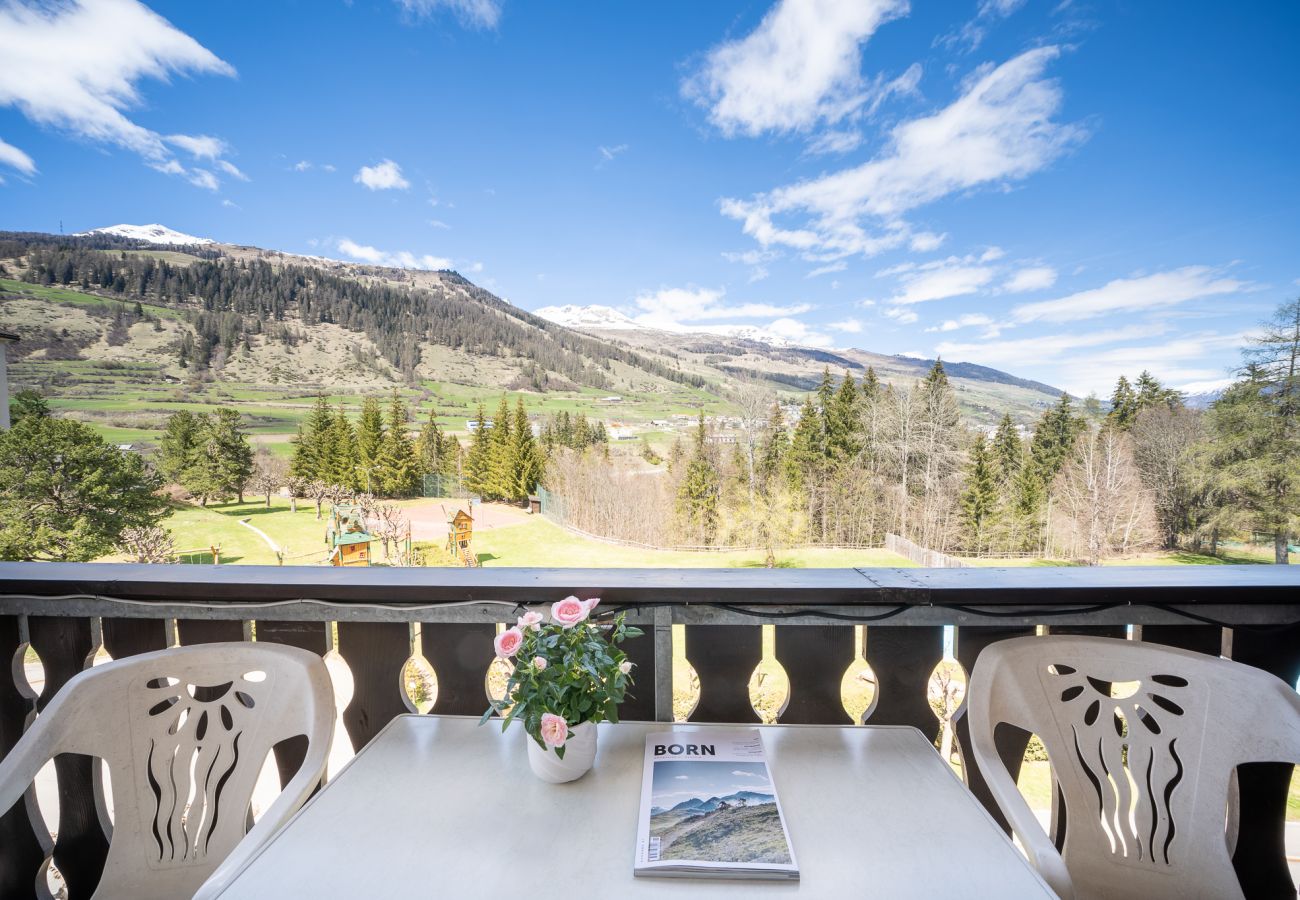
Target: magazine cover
x: 709, y: 807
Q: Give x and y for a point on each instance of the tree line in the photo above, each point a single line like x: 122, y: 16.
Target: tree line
x: 227, y: 301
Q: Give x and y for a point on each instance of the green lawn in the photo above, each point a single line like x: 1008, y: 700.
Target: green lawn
x: 66, y: 295
x: 539, y: 542
x: 193, y: 527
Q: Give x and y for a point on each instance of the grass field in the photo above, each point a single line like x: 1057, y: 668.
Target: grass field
x: 1227, y: 556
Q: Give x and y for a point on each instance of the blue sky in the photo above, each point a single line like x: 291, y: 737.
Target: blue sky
x: 1065, y: 190
x: 675, y: 781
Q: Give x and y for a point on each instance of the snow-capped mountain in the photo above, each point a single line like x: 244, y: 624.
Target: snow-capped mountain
x: 595, y: 317
x: 154, y: 234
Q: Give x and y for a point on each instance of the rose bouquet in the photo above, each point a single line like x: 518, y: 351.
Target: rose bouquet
x: 568, y: 673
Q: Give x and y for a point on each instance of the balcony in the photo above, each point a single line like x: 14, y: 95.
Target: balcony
x: 372, y: 621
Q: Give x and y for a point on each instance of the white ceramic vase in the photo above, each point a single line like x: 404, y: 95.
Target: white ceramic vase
x: 579, y: 754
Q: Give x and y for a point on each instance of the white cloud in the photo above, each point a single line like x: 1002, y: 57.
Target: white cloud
x: 438, y: 223
x: 400, y: 259
x: 848, y: 326
x: 384, y: 177
x: 744, y: 774
x: 926, y: 241
x: 999, y: 130
x: 669, y: 308
x: 942, y: 282
x: 965, y: 321
x: 828, y: 269
x: 834, y: 142
x: 799, y: 67
x: 972, y: 33
x: 230, y: 169
x: 607, y: 154
x: 302, y: 165
x: 16, y: 159
x: 1137, y: 294
x: 474, y: 13
x: 75, y: 66
x: 900, y: 315
x: 200, y: 146
x: 202, y: 178
x: 1042, y: 349
x: 1035, y: 278
x: 230, y: 204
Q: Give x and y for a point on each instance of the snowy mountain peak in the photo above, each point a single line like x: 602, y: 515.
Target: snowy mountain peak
x: 595, y: 317
x: 154, y: 234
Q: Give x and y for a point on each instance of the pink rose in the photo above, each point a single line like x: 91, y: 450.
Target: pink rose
x: 592, y: 603
x: 625, y: 666
x: 507, y: 642
x: 555, y: 731
x: 569, y: 612
x: 531, y: 620
x: 539, y: 663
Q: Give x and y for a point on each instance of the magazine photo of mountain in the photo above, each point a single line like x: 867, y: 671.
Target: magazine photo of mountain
x: 716, y: 811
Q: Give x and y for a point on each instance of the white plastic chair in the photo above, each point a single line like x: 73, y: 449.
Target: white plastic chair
x: 1143, y: 740
x: 194, y: 721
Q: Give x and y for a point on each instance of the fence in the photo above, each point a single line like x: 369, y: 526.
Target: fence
x: 922, y: 556
x: 445, y: 486
x: 376, y: 620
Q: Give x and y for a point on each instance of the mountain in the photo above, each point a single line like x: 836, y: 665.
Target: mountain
x: 695, y: 804
x: 109, y: 311
x: 594, y: 318
x: 152, y: 234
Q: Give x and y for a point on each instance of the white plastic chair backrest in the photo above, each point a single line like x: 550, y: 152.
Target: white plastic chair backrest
x: 184, y: 734
x: 1143, y: 740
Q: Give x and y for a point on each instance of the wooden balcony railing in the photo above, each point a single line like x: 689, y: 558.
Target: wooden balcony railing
x: 68, y: 612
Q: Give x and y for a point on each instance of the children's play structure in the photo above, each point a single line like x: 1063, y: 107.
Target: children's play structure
x: 347, y: 536
x: 460, y: 537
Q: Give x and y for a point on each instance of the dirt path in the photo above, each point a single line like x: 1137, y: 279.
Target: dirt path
x: 429, y: 516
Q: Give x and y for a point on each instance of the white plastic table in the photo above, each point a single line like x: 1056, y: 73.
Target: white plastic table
x: 439, y: 807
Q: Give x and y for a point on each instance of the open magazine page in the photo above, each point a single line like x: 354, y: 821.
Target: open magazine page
x: 709, y: 807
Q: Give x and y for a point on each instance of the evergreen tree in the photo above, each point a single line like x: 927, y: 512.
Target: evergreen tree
x: 399, y: 470
x: 1123, y: 405
x: 807, y: 448
x: 27, y: 403
x: 231, y: 453
x: 178, y: 445
x: 1007, y: 452
x: 871, y: 386
x: 843, y: 424
x: 370, y: 443
x: 776, y: 444
x: 500, y: 454
x: 1054, y: 439
x: 339, y: 463
x: 1150, y: 392
x: 477, y: 459
x: 428, y: 446
x: 980, y: 497
x: 309, y: 447
x: 700, y: 494
x: 68, y: 495
x: 526, y: 457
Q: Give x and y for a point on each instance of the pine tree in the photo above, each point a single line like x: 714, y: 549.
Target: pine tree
x: 500, y: 454
x: 477, y: 459
x: 1007, y: 452
x: 233, y: 454
x: 399, y: 470
x: 178, y: 446
x: 428, y: 446
x: 1054, y: 440
x: 339, y: 464
x: 309, y: 448
x: 776, y: 444
x: 843, y: 424
x: 871, y: 386
x: 370, y: 442
x: 825, y: 404
x: 699, y: 496
x: 979, y: 499
x: 526, y: 456
x: 807, y: 447
x: 1123, y: 405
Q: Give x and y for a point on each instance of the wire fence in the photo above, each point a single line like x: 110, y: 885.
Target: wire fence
x: 452, y: 486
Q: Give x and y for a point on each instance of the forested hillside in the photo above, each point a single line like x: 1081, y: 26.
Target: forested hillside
x: 229, y: 300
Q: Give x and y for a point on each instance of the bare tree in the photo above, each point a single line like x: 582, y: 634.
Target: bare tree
x: 1163, y: 442
x: 298, y: 487
x: 1104, y: 507
x: 148, y: 545
x: 318, y: 491
x: 269, y: 473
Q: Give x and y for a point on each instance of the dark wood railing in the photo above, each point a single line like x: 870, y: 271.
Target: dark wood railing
x: 67, y: 612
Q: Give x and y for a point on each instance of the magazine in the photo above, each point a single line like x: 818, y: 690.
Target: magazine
x: 709, y: 808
